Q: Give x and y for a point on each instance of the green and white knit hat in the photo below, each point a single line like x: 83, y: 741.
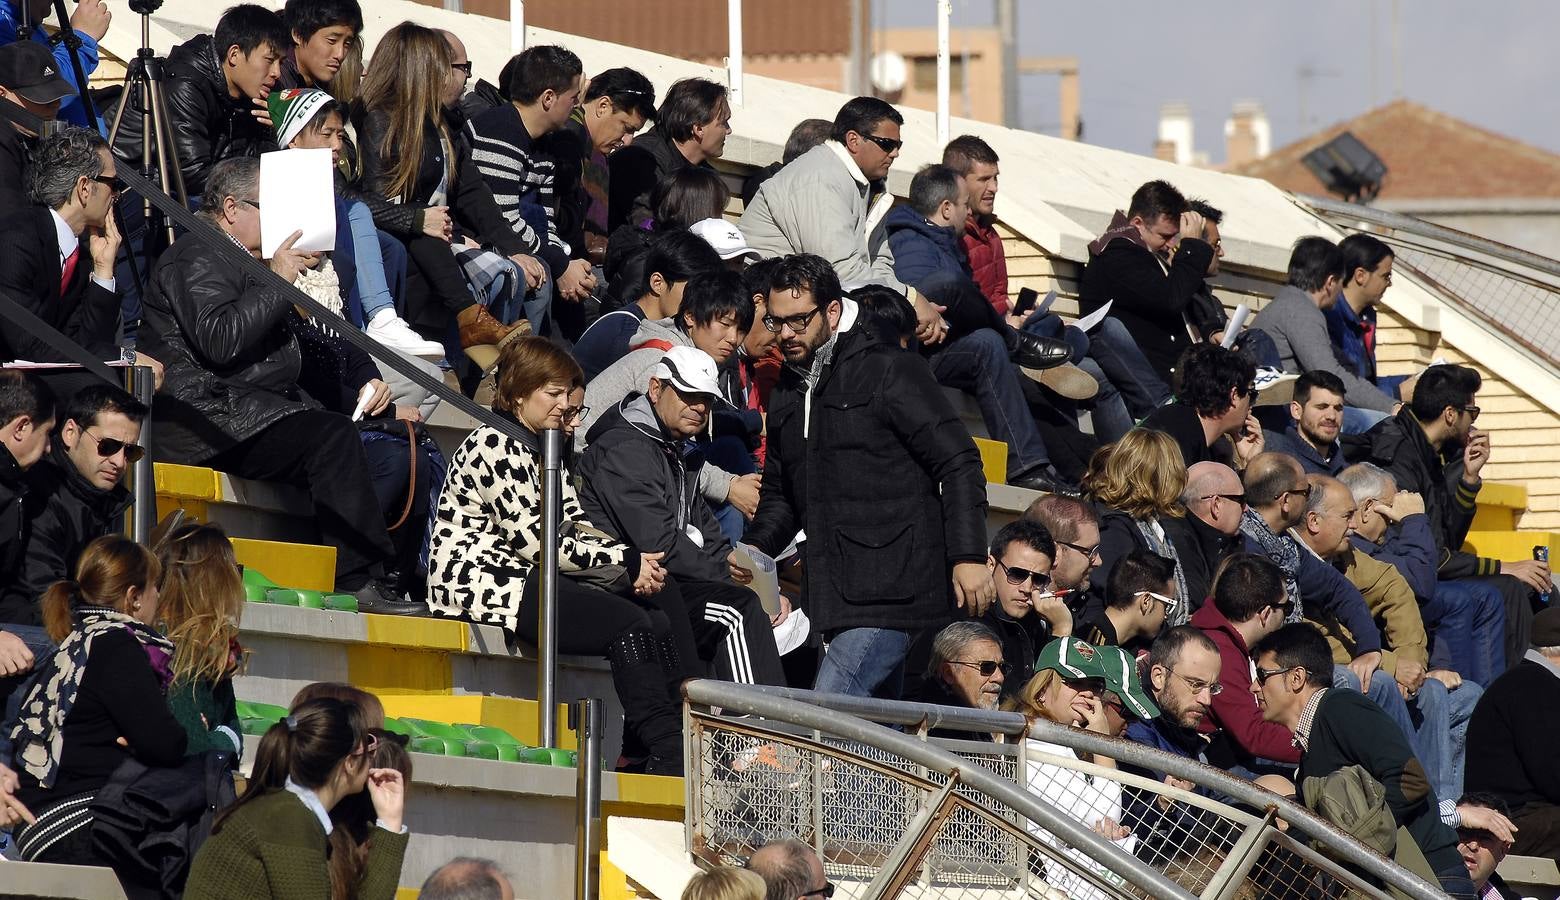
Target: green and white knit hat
x: 292, y: 109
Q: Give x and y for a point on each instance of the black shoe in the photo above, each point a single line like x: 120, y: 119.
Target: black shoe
x: 380, y: 598
x: 1046, y: 482
x: 1032, y: 351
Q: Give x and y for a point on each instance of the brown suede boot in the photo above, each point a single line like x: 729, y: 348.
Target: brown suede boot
x: 482, y: 336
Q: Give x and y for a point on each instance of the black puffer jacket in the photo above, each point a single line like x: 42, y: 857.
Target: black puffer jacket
x: 642, y: 487
x: 13, y: 517
x: 874, y: 464
x: 65, y: 513
x: 208, y: 125
x: 232, y: 363
x: 636, y: 169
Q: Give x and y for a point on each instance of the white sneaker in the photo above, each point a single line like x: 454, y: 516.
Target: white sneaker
x: 387, y: 328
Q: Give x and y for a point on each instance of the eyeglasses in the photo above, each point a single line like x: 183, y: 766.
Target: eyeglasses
x: 1090, y: 552
x: 254, y: 203
x: 464, y: 67
x: 797, y: 323
x: 1472, y: 411
x: 886, y: 144
x: 826, y: 891
x: 370, y: 744
x: 1287, y: 608
x: 1169, y: 602
x: 1304, y: 492
x: 1197, y: 685
x: 1237, y: 499
x: 107, y: 447
x: 987, y: 667
x: 1018, y: 575
x: 574, y: 414
x: 1264, y: 674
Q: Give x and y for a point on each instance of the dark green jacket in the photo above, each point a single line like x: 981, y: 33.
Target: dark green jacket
x: 273, y: 847
x: 1350, y: 730
x: 202, y: 707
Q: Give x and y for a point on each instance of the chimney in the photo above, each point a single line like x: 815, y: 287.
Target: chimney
x: 1175, y: 130
x: 1247, y: 134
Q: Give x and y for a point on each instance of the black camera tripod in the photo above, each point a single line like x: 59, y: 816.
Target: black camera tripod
x: 145, y: 78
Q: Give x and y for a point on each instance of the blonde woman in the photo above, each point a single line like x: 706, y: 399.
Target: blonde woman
x: 1135, y: 484
x: 412, y: 156
x: 202, y: 601
x: 725, y: 884
x: 1068, y: 688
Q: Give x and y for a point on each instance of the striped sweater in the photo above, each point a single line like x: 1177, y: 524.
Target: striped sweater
x: 522, y: 181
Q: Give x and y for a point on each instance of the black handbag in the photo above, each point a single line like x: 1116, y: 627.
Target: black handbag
x: 149, y: 821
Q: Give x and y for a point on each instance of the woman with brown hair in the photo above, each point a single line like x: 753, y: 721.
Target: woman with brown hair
x: 1134, y: 484
x: 410, y: 155
x: 487, y: 546
x: 202, y: 600
x: 96, y: 703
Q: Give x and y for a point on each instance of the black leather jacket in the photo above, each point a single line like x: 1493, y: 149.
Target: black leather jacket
x: 208, y: 124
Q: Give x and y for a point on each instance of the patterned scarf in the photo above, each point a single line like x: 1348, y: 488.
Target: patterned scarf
x: 1281, y: 549
x: 39, y: 731
x: 1154, y: 534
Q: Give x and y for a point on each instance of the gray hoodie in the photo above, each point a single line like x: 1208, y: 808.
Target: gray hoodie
x: 1299, y: 328
x: 631, y: 374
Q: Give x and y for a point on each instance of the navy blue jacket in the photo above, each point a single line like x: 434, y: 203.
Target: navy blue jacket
x: 1410, y: 547
x: 1289, y: 441
x: 1347, y: 332
x: 921, y: 249
x: 1324, y: 588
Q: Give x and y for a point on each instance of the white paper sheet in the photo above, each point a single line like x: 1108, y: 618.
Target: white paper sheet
x: 297, y: 193
x: 1236, y: 324
x: 1094, y: 318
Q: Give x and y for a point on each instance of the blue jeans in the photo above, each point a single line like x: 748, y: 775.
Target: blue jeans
x: 1441, y: 719
x: 37, y: 640
x: 1107, y: 410
x: 864, y: 662
x: 978, y: 363
x: 1384, y: 692
x: 371, y: 287
x: 1118, y: 356
x: 1359, y: 421
x: 1466, y: 620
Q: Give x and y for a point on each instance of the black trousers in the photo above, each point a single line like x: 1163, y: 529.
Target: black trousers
x: 391, y: 469
x: 435, y: 288
x: 634, y: 637
x: 322, y: 453
x: 730, y: 633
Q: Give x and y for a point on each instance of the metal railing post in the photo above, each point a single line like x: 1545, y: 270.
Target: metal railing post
x: 586, y: 717
x: 547, y: 609
x: 143, y: 513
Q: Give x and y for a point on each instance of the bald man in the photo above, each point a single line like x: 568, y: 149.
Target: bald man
x: 791, y: 870
x: 1215, y: 500
x: 1276, y: 495
x: 468, y: 878
x: 1402, y: 687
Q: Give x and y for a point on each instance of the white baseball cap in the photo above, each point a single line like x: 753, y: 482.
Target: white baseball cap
x: 724, y: 237
x: 690, y: 369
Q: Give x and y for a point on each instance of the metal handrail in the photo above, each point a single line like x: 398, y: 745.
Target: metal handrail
x: 1412, y: 225
x: 820, y: 711
x: 1113, y: 858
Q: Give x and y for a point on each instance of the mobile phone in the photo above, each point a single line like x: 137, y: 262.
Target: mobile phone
x: 1541, y: 553
x: 1027, y: 298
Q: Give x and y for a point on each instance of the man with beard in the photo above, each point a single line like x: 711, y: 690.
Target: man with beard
x: 966, y: 669
x: 866, y: 456
x: 1316, y: 418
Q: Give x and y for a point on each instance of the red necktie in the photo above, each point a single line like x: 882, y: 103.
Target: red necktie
x: 1370, y: 338
x: 69, y: 268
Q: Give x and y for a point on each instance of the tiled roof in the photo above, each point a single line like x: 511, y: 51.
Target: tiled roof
x: 1429, y: 155
x: 696, y: 29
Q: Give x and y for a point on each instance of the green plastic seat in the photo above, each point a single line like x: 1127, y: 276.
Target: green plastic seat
x: 256, y: 727
x: 302, y: 598
x: 491, y: 734
x: 482, y: 750
x: 255, y: 586
x: 396, y: 726
x: 549, y: 756
x: 428, y: 728
x: 438, y: 746
x: 270, y: 712
x: 341, y: 602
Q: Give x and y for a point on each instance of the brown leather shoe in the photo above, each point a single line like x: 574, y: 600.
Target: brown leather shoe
x: 482, y: 336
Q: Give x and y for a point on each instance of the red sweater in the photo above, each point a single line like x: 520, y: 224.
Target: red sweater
x: 1235, y: 709
x: 987, y: 261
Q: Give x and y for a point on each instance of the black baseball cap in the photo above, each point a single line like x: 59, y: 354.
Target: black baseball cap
x: 29, y: 69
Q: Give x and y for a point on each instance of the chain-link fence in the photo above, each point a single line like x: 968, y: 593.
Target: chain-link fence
x: 889, y: 825
x: 1515, y: 291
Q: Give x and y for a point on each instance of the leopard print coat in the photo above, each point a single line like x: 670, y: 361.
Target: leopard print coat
x: 487, y: 536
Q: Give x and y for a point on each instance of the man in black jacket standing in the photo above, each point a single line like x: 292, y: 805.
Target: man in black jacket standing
x: 1414, y: 446
x: 640, y: 483
x: 867, y: 458
x: 233, y: 401
x: 75, y: 495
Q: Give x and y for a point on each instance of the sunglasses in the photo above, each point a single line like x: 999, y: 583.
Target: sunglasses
x: 1090, y: 552
x: 1304, y: 492
x: 986, y: 667
x: 111, y: 182
x: 1472, y: 411
x: 886, y: 144
x: 370, y: 744
x: 107, y: 447
x: 1018, y: 575
x: 1170, y: 602
x: 464, y: 67
x: 826, y: 891
x: 1237, y: 499
x: 797, y: 323
x: 1264, y: 674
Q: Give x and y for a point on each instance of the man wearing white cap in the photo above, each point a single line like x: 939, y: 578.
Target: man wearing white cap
x: 724, y: 237
x: 640, y: 480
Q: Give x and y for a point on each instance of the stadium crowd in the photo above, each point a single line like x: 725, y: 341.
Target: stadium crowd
x: 1248, y: 552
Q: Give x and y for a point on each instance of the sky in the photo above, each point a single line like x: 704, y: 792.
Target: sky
x: 1492, y: 64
